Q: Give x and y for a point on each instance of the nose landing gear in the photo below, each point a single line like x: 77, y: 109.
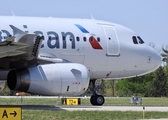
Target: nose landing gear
x: 96, y: 99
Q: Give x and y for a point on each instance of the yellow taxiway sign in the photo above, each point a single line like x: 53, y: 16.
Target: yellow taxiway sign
x: 10, y: 113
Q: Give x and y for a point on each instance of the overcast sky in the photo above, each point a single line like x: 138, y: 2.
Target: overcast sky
x: 148, y: 18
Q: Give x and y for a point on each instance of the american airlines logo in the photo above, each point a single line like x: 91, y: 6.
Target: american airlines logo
x: 53, y: 38
x: 94, y: 43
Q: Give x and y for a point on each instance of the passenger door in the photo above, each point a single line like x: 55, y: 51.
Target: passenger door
x: 113, y: 48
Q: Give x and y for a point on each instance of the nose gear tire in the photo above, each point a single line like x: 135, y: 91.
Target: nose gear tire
x: 97, y: 100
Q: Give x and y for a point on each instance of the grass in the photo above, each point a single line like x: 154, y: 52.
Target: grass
x: 147, y: 101
x: 90, y: 115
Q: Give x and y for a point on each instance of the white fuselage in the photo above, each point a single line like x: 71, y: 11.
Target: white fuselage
x: 105, y: 48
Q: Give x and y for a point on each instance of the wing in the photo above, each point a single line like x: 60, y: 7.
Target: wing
x: 19, y: 47
x: 22, y: 50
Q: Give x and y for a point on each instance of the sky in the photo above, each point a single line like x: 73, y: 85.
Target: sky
x: 148, y: 18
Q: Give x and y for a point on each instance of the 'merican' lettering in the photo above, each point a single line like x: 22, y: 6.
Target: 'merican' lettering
x: 53, y: 40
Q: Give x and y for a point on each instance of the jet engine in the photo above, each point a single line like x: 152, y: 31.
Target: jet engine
x: 51, y: 79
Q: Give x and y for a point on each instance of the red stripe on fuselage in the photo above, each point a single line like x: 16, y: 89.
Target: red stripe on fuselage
x: 94, y: 43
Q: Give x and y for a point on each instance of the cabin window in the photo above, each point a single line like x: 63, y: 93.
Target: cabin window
x: 49, y: 37
x: 91, y: 39
x: 63, y: 37
x: 84, y: 39
x: 98, y: 39
x: 42, y: 37
x: 78, y: 39
x: 70, y: 38
x: 56, y: 37
x: 134, y: 40
x: 140, y: 40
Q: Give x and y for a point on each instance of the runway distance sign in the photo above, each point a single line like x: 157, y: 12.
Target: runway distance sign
x: 10, y: 113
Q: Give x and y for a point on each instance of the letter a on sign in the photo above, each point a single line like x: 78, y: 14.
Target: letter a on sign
x: 4, y: 114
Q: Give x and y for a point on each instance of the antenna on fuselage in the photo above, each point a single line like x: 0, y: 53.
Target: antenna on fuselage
x: 13, y: 14
x: 92, y: 16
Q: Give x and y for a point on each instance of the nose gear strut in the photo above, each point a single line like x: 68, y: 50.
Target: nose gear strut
x: 96, y: 99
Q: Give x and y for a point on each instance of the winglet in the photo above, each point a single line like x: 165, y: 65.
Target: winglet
x: 17, y: 33
x: 17, y: 30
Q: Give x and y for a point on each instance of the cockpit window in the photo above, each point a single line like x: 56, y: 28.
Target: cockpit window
x: 137, y: 40
x: 140, y: 40
x: 134, y: 40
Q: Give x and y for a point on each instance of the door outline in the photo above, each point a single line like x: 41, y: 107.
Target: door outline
x: 113, y: 46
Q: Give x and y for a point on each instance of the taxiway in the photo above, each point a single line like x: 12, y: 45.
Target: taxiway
x: 91, y: 108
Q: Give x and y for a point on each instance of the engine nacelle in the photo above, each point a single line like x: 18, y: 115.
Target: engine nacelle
x: 51, y: 79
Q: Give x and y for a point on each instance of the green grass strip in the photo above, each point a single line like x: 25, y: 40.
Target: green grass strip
x: 89, y: 115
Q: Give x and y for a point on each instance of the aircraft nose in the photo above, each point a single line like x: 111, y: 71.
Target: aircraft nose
x: 154, y: 59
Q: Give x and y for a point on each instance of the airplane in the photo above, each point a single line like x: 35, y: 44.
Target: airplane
x: 61, y: 56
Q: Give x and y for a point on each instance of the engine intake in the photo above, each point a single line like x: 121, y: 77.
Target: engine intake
x: 19, y: 80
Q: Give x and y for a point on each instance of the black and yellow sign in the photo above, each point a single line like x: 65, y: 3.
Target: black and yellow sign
x: 10, y: 113
x: 71, y: 101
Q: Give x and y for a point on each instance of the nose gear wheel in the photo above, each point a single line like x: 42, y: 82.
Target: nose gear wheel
x: 96, y: 99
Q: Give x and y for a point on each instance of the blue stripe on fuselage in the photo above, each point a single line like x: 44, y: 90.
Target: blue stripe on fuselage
x: 81, y: 28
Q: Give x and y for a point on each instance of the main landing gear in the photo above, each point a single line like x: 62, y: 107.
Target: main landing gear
x: 96, y: 99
